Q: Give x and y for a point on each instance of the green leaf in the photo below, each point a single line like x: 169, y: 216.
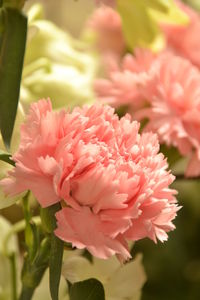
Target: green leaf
x: 55, y: 265
x: 6, y: 157
x: 138, y: 27
x: 56, y: 254
x: 12, y: 48
x: 90, y: 289
x: 141, y: 20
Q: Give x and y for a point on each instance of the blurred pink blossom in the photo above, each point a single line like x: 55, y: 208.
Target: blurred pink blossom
x: 173, y: 94
x: 122, y: 86
x: 165, y: 89
x: 113, y: 181
x: 184, y: 40
x: 106, y: 23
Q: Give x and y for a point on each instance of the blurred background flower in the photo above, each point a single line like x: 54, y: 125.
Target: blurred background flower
x: 56, y: 65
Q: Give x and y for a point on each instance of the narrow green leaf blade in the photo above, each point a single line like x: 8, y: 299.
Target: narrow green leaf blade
x: 56, y: 253
x: 12, y: 47
x: 6, y: 157
x: 55, y: 265
x: 90, y: 289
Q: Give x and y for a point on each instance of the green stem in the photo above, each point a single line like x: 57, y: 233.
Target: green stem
x: 33, y: 271
x: 17, y: 227
x: 12, y: 259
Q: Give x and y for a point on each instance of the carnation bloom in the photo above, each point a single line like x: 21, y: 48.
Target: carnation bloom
x: 185, y: 39
x: 173, y: 93
x: 106, y: 23
x: 123, y: 82
x: 113, y: 181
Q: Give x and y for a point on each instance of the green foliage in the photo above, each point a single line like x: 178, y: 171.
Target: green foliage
x: 33, y: 270
x: 90, y: 289
x: 6, y: 157
x: 149, y: 13
x: 36, y: 258
x: 13, y: 29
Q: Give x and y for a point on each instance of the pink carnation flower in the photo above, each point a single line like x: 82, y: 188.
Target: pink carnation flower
x: 106, y: 22
x: 122, y: 87
x: 185, y: 39
x: 173, y: 92
x: 113, y: 180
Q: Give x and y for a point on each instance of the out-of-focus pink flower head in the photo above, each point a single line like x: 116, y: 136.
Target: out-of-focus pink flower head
x: 113, y: 180
x: 173, y: 93
x: 111, y: 3
x: 106, y: 23
x: 184, y: 40
x: 122, y: 87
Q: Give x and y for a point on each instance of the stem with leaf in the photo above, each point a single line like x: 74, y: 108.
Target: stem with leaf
x: 36, y: 258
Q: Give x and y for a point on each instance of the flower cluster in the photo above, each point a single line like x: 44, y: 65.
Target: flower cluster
x: 113, y: 182
x: 163, y: 88
x: 173, y: 93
